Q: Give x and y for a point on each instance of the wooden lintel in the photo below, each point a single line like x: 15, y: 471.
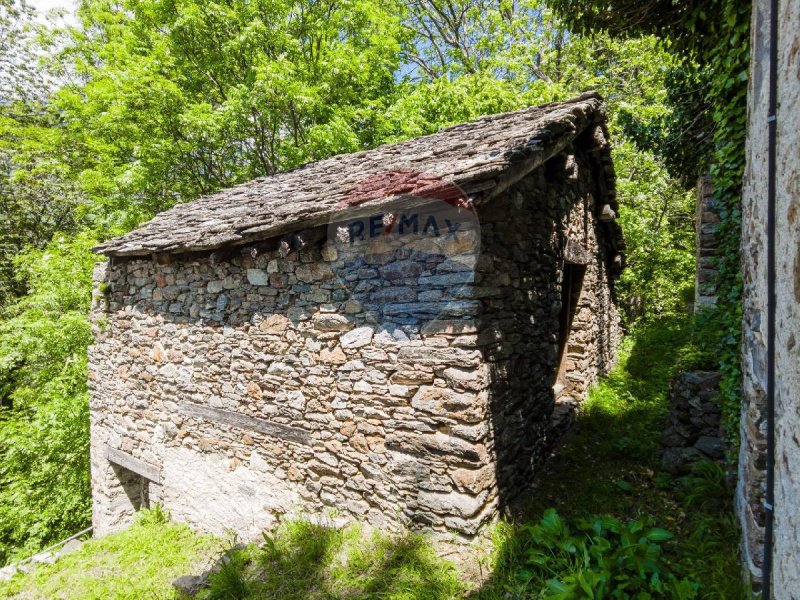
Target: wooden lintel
x: 123, y: 459
x: 240, y: 421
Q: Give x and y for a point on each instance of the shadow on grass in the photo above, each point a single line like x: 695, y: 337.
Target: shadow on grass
x: 304, y: 560
x: 609, y: 464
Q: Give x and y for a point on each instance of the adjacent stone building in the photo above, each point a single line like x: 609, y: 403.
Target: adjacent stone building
x: 706, y: 243
x: 379, y: 336
x: 750, y: 497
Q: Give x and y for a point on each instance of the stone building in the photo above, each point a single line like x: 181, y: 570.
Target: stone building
x: 382, y: 334
x: 750, y: 497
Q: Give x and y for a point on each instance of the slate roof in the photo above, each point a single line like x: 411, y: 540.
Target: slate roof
x: 482, y: 157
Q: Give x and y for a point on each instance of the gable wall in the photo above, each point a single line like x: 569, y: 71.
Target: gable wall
x: 525, y: 240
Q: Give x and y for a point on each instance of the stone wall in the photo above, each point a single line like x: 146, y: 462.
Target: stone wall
x: 400, y: 388
x: 694, y: 424
x: 750, y: 492
x: 706, y: 243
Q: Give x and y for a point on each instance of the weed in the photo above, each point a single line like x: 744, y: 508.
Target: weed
x: 230, y: 582
x: 609, y: 464
x: 152, y: 517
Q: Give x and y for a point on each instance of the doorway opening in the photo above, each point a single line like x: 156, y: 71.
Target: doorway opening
x: 571, y: 286
x: 136, y: 487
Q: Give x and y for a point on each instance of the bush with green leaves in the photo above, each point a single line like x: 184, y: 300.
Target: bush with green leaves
x: 598, y: 558
x: 44, y: 420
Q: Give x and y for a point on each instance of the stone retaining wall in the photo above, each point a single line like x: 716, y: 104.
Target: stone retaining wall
x: 694, y: 425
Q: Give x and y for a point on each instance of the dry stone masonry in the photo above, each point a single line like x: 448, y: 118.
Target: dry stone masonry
x: 706, y: 243
x: 356, y: 366
x: 694, y: 425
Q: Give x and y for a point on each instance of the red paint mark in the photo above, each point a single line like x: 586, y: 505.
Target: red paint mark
x: 405, y: 182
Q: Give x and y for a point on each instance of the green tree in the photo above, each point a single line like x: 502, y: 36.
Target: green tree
x: 37, y: 197
x: 44, y: 466
x: 475, y: 58
x: 178, y: 98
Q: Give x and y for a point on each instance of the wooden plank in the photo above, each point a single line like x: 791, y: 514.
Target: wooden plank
x: 240, y: 421
x: 123, y: 459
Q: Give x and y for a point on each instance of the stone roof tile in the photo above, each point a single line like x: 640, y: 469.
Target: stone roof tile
x: 482, y: 157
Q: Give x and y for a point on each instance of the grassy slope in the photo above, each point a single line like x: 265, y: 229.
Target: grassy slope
x: 609, y: 464
x: 140, y: 562
x: 307, y: 561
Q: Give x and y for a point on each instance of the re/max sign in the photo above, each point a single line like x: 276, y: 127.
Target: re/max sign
x: 403, y: 224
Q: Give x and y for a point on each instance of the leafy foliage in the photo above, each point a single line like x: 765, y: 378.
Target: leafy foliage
x: 657, y: 218
x: 599, y: 558
x: 44, y: 422
x: 37, y: 199
x: 178, y: 99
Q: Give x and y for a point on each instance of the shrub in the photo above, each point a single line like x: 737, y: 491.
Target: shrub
x: 44, y: 411
x: 598, y: 558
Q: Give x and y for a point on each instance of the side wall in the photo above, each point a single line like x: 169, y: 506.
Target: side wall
x: 750, y: 492
x: 254, y: 386
x: 549, y: 218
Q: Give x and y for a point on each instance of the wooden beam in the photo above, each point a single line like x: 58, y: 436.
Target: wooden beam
x: 161, y: 258
x: 240, y: 421
x: 308, y: 237
x: 123, y: 459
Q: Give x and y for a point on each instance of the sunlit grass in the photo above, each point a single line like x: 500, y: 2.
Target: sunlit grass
x: 140, y: 562
x: 304, y: 560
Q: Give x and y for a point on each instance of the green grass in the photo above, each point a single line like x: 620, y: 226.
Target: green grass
x: 137, y: 563
x: 303, y: 560
x: 609, y: 465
